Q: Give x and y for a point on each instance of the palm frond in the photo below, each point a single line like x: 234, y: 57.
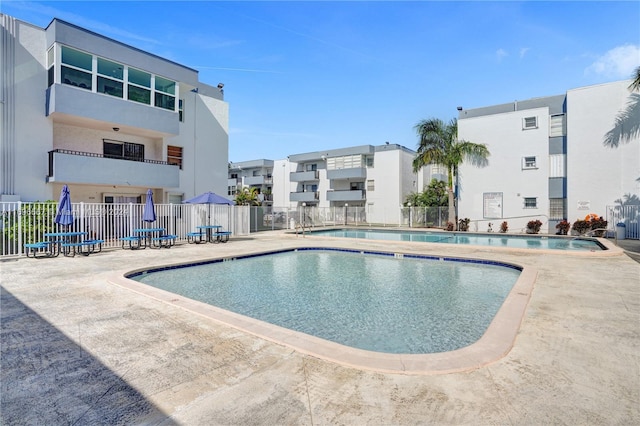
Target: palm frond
x: 627, y: 124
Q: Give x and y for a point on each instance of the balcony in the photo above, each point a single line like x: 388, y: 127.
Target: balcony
x: 304, y: 176
x: 92, y: 168
x: 308, y: 196
x: 258, y: 180
x: 349, y: 195
x: 357, y: 173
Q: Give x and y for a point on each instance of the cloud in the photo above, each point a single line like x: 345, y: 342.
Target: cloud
x: 618, y: 62
x: 501, y: 53
x: 523, y: 51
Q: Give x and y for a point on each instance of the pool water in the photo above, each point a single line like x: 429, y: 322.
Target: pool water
x: 368, y: 300
x: 496, y: 240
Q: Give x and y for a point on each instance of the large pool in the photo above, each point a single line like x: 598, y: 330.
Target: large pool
x: 383, y: 302
x: 495, y: 240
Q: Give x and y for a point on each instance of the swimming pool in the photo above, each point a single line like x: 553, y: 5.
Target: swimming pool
x: 495, y: 240
x: 376, y: 301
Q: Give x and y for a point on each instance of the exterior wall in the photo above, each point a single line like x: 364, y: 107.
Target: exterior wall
x: 594, y: 176
x: 37, y: 119
x: 508, y: 143
x: 26, y: 132
x: 597, y: 176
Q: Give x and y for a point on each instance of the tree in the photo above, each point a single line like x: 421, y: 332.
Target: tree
x: 439, y: 144
x: 627, y: 122
x: 434, y: 195
x: 247, y: 197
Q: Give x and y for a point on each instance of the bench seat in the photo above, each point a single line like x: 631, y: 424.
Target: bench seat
x: 36, y: 250
x: 133, y: 240
x: 222, y: 236
x: 195, y: 237
x: 165, y: 241
x: 89, y: 244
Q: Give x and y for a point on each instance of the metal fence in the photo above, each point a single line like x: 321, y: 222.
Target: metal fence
x: 627, y: 215
x: 272, y: 218
x: 24, y: 223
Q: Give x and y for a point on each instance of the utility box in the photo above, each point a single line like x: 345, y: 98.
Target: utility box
x: 621, y: 229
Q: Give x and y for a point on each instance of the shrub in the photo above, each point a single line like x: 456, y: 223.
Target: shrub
x: 450, y: 226
x: 504, y: 227
x: 533, y: 227
x: 580, y: 227
x: 600, y: 224
x: 563, y: 227
x: 463, y: 224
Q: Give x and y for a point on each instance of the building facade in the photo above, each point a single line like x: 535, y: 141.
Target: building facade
x: 372, y: 178
x: 548, y: 160
x: 105, y: 118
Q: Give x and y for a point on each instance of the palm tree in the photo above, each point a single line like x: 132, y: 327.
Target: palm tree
x: 439, y: 144
x: 627, y: 123
x: 247, y: 197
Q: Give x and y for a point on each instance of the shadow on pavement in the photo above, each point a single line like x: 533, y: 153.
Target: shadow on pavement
x: 47, y: 379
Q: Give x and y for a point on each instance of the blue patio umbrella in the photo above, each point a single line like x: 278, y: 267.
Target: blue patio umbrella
x: 149, y: 212
x: 209, y: 198
x: 64, y: 215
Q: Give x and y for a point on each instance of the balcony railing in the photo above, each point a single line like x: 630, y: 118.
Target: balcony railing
x: 304, y: 176
x: 304, y: 196
x: 348, y: 195
x: 94, y: 168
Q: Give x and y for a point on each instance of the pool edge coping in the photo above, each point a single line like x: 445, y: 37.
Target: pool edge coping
x: 495, y: 343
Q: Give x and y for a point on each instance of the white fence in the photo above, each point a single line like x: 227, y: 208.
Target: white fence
x: 627, y: 215
x: 28, y: 222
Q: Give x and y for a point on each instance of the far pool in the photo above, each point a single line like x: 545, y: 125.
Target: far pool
x: 494, y: 240
x: 376, y: 301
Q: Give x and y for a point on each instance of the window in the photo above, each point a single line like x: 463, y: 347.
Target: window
x: 530, y: 203
x: 174, y: 155
x: 231, y: 190
x: 529, y: 123
x: 123, y: 150
x: 529, y: 163
x: 371, y: 185
x: 164, y: 94
x: 51, y: 66
x: 138, y: 89
x: 110, y: 78
x: 74, y: 67
x: 557, y: 125
x: 369, y: 162
x: 557, y: 208
x: 311, y: 167
x: 181, y: 110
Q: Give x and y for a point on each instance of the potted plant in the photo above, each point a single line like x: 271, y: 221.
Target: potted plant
x: 580, y: 227
x: 598, y: 226
x: 563, y: 227
x: 533, y: 227
x: 504, y: 227
x: 463, y: 224
x: 450, y: 226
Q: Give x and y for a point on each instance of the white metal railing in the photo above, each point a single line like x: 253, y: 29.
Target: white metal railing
x: 23, y: 222
x: 629, y: 216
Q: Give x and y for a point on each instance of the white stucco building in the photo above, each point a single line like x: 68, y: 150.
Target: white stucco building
x: 376, y: 179
x: 548, y: 160
x: 105, y: 118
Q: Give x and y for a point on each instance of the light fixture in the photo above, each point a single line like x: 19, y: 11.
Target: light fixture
x: 220, y: 86
x: 116, y: 129
x: 459, y: 108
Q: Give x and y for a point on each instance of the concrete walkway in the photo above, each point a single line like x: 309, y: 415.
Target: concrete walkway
x: 76, y: 349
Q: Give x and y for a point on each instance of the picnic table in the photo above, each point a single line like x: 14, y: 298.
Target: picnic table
x: 68, y: 243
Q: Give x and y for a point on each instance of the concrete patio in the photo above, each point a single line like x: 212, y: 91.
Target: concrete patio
x: 77, y: 349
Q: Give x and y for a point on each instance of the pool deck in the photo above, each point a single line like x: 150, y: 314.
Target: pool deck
x: 77, y: 348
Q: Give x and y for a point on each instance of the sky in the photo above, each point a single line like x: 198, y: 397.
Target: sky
x: 304, y: 76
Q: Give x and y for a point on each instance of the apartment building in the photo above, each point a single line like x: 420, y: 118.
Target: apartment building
x: 373, y: 178
x: 105, y: 118
x: 548, y: 159
x: 253, y: 174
